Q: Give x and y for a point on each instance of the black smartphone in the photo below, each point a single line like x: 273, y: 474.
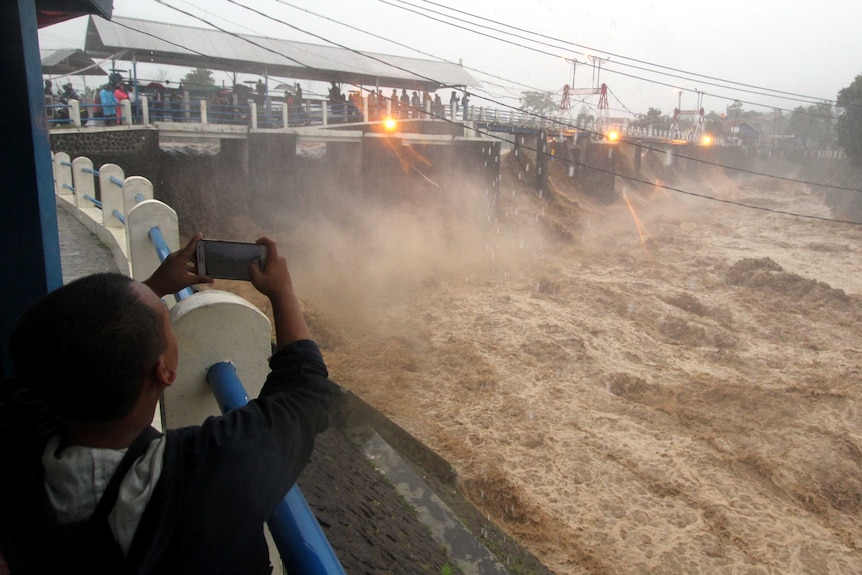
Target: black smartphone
x: 229, y: 260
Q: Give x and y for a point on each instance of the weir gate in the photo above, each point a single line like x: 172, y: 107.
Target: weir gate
x: 367, y: 157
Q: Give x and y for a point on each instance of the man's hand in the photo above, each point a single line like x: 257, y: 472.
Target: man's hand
x: 177, y: 271
x: 274, y: 282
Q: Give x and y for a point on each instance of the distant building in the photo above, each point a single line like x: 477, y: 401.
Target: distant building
x: 744, y: 134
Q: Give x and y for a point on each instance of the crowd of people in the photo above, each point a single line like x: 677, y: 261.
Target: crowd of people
x: 107, y: 107
x: 399, y: 106
x: 107, y: 102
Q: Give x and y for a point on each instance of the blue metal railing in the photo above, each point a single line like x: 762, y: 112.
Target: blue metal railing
x: 297, y: 534
x: 164, y: 251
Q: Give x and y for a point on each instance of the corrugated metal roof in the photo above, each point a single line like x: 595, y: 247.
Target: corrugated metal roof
x: 172, y: 44
x: 71, y: 61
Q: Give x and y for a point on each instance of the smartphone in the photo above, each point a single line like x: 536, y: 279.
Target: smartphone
x: 229, y: 260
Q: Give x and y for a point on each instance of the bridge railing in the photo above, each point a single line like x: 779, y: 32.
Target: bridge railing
x: 274, y: 115
x: 140, y: 232
x: 277, y: 114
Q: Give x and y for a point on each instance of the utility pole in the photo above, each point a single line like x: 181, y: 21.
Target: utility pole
x: 775, y: 117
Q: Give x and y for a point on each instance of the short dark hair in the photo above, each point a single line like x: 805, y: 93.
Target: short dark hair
x: 86, y: 347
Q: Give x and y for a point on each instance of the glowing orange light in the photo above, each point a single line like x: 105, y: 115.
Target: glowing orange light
x: 643, y: 232
x: 706, y: 140
x: 389, y: 124
x: 613, y: 135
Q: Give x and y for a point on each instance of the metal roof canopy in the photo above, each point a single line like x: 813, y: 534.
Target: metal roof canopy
x: 157, y: 42
x: 69, y: 62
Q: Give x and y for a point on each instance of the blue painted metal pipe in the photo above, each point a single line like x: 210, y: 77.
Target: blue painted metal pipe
x: 119, y: 216
x: 90, y: 171
x: 95, y: 202
x: 164, y: 251
x: 116, y: 181
x: 295, y: 530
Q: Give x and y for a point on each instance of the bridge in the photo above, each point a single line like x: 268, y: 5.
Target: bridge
x: 318, y: 119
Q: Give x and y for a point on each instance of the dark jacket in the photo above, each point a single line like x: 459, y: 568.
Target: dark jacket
x: 219, y: 483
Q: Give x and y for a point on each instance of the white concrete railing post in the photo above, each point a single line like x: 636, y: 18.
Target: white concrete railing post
x: 133, y: 186
x: 75, y: 112
x: 205, y: 317
x: 112, y: 195
x: 325, y: 107
x: 84, y: 181
x: 62, y: 174
x: 139, y: 221
x: 284, y: 114
x: 126, y: 105
x: 253, y: 106
x: 187, y: 110
x: 145, y: 110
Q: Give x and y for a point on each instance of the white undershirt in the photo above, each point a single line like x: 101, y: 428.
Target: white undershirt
x: 77, y: 479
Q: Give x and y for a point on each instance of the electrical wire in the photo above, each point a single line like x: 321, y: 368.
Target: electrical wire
x: 432, y: 80
x: 615, y: 55
x: 545, y: 118
x: 355, y: 28
x: 610, y: 70
x: 494, y: 136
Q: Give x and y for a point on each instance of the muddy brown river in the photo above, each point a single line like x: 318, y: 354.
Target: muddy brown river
x: 664, y: 385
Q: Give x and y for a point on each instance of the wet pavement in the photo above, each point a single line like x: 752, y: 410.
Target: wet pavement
x: 81, y: 252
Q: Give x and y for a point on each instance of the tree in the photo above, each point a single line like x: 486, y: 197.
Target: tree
x: 734, y: 111
x: 714, y: 124
x: 540, y: 103
x: 652, y: 119
x: 813, y: 125
x: 849, y: 127
x: 199, y: 79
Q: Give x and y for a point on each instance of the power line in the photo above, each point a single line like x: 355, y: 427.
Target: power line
x: 494, y: 136
x: 554, y: 120
x: 722, y: 200
x: 589, y: 49
x: 557, y: 121
x: 480, y: 71
x: 611, y: 70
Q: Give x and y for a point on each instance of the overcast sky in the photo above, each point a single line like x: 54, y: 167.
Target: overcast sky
x: 811, y: 49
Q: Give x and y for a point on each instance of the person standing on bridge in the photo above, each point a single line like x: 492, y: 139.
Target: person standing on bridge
x: 109, y: 104
x: 88, y: 485
x: 453, y: 105
x: 465, y: 104
x: 416, y: 105
x: 404, y: 109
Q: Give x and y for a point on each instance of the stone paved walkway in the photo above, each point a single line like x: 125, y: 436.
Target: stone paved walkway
x: 81, y: 252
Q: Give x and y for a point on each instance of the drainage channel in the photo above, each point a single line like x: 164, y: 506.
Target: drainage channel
x: 465, y: 549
